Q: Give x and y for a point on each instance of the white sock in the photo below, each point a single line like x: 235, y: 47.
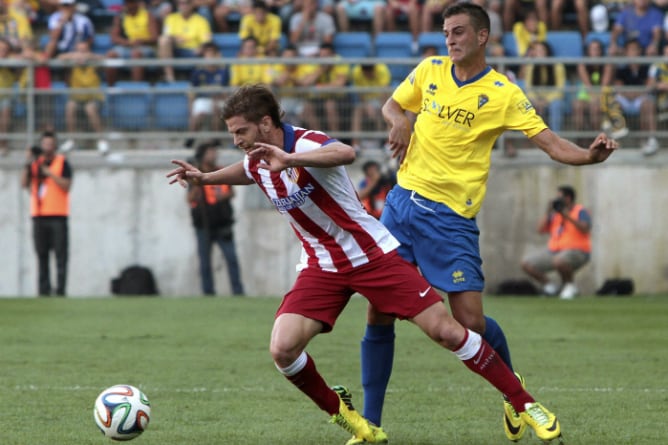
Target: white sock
x: 295, y: 367
x: 470, y: 347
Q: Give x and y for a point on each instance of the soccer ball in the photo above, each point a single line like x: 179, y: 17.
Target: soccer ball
x: 122, y: 412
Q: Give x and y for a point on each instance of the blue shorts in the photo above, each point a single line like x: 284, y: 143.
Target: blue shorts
x: 442, y: 243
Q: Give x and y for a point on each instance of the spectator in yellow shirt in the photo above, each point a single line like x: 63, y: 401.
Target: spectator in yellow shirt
x: 14, y: 26
x: 327, y: 76
x: 183, y: 34
x: 246, y: 74
x: 83, y: 75
x: 6, y: 82
x: 368, y: 104
x: 530, y: 29
x: 544, y: 85
x: 134, y: 33
x: 286, y: 77
x: 263, y: 26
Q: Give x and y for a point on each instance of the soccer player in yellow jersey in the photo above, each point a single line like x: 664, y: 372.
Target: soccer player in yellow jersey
x: 462, y: 106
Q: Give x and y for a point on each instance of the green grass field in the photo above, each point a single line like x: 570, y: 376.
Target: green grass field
x: 600, y: 364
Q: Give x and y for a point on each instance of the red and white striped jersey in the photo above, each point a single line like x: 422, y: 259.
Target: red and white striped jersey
x: 322, y: 207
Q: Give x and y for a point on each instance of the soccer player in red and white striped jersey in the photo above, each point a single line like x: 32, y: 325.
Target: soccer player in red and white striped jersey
x: 345, y: 250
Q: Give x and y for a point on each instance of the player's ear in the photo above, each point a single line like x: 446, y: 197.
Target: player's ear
x: 483, y: 37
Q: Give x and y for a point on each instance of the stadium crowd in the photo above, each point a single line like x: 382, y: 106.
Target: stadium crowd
x: 88, y: 35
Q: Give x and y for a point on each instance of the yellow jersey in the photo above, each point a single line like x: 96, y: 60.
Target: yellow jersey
x: 381, y: 78
x: 195, y: 30
x: 449, y: 155
x: 136, y: 27
x: 264, y: 33
x: 85, y: 77
x: 241, y: 74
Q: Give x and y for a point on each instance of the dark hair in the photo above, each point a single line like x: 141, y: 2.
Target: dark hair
x: 541, y: 72
x: 368, y: 164
x: 202, y: 149
x: 260, y: 4
x: 253, y: 102
x: 477, y: 14
x: 48, y: 134
x: 210, y: 46
x: 567, y: 190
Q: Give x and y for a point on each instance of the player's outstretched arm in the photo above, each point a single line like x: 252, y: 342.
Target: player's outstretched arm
x: 185, y: 173
x: 276, y: 159
x: 566, y: 152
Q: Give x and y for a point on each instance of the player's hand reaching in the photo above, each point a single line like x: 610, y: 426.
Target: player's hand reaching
x: 602, y: 148
x: 185, y: 173
x: 275, y: 159
x: 398, y: 139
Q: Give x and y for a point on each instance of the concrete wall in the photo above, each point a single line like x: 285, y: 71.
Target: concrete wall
x: 123, y: 212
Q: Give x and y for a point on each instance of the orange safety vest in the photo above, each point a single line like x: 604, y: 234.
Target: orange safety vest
x: 212, y: 194
x: 375, y: 203
x: 565, y: 236
x: 46, y: 198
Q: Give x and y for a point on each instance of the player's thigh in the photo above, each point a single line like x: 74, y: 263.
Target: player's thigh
x: 394, y: 286
x: 446, y: 248
x: 317, y: 295
x: 396, y: 217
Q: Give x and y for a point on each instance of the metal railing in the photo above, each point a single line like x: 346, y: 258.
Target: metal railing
x: 31, y: 106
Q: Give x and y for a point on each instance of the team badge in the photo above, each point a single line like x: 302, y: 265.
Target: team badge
x: 293, y: 174
x: 482, y: 100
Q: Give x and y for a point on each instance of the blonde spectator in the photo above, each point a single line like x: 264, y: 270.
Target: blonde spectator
x: 83, y: 75
x: 368, y: 104
x: 183, y: 34
x: 263, y: 26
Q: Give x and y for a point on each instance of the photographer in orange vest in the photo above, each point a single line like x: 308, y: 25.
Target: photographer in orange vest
x: 569, y: 246
x: 212, y: 216
x: 48, y: 177
x: 375, y: 186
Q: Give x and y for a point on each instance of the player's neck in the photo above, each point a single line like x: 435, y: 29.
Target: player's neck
x: 466, y: 71
x: 275, y: 137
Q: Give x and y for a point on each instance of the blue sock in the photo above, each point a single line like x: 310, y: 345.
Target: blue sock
x: 377, y: 355
x: 497, y: 340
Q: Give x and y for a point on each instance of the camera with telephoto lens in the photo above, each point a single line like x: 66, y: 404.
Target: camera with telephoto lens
x: 36, y: 151
x: 558, y: 205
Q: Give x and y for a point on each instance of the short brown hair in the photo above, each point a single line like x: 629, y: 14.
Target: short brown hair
x: 253, y: 102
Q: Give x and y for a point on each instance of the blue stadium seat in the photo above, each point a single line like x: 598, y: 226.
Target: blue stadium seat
x: 603, y: 37
x: 171, y: 110
x: 229, y: 43
x: 352, y: 44
x: 436, y: 39
x: 130, y: 105
x: 509, y: 44
x: 102, y: 43
x: 395, y: 45
x: 565, y: 43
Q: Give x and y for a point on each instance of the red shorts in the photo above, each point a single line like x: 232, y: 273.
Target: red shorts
x: 391, y: 284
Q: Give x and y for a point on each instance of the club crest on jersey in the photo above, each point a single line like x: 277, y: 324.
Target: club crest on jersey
x: 432, y: 89
x: 524, y: 106
x: 498, y: 83
x: 293, y: 174
x: 482, y: 100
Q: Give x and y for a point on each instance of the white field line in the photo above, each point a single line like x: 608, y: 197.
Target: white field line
x: 203, y: 389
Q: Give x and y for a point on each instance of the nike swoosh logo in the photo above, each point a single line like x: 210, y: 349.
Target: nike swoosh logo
x: 512, y: 428
x: 554, y: 426
x: 482, y: 351
x: 424, y: 292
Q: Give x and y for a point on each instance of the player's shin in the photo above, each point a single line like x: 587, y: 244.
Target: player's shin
x: 482, y: 359
x: 304, y: 375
